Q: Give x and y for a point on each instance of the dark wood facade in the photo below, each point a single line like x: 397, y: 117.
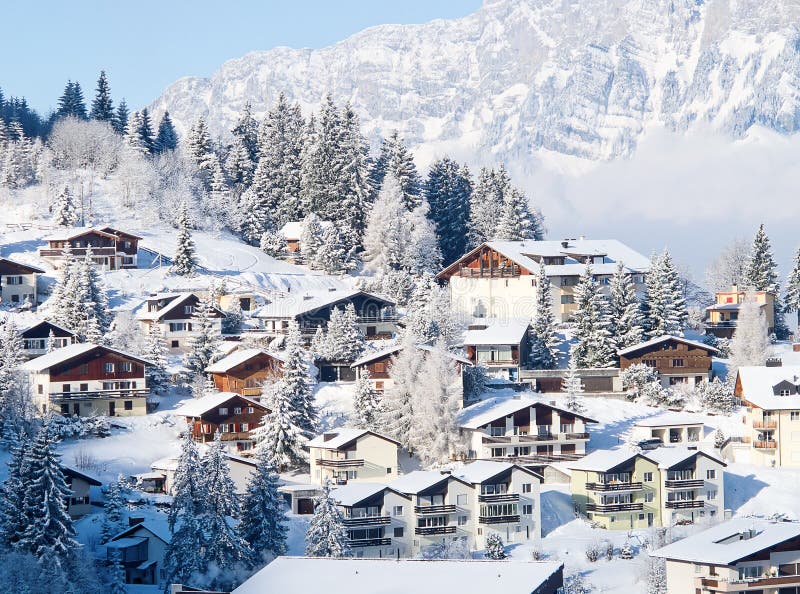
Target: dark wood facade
x: 671, y: 357
x: 11, y: 268
x: 237, y: 421
x: 483, y: 261
x: 91, y: 366
x: 248, y: 377
x: 115, y: 248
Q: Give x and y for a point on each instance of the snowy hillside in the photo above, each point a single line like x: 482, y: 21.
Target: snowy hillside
x: 521, y: 76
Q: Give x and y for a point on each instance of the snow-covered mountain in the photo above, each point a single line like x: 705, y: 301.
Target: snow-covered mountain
x: 518, y: 77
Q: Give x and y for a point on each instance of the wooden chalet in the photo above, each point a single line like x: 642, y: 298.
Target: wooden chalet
x: 677, y: 360
x: 18, y: 283
x: 231, y: 415
x: 45, y: 336
x: 112, y: 249
x: 245, y: 371
x: 379, y: 363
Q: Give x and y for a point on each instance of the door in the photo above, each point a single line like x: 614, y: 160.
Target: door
x: 305, y: 506
x: 112, y: 409
x: 650, y: 519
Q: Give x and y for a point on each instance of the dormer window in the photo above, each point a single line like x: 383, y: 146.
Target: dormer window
x: 785, y: 392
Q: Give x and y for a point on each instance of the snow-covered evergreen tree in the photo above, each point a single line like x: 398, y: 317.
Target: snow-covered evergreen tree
x: 397, y: 415
x: 13, y: 520
x: 485, y: 204
x: 396, y: 159
x: 495, y: 549
x: 664, y: 305
x: 624, y: 310
x: 311, y: 239
x: 387, y: 234
x: 750, y: 344
x: 321, y: 161
x: 263, y: 519
x: 543, y: 330
x: 12, y: 355
x: 343, y: 340
x: 185, y: 261
x: 656, y: 576
x: 252, y: 218
x: 326, y: 536
x: 572, y: 387
x: 428, y: 312
x: 205, y: 337
x: 448, y: 189
x: 298, y: 380
x: 332, y: 256
x: 516, y: 221
x: 65, y: 211
x: 120, y: 121
x: 762, y: 275
x: 113, y: 509
x: 421, y: 255
x: 592, y: 338
x: 355, y: 189
x: 729, y: 268
x: 366, y: 404
x: 716, y: 396
x: 234, y: 318
x: 156, y: 352
x: 791, y: 301
x: 166, y: 137
x: 102, y: 106
x: 279, y: 439
x: 117, y: 584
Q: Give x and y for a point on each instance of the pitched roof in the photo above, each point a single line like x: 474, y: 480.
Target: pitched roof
x: 669, y: 419
x: 69, y: 471
x: 199, y: 406
x: 508, y: 331
x: 484, y: 412
x: 11, y: 267
x: 294, y: 229
x: 180, y: 300
x: 341, y: 437
x: 482, y: 470
x: 297, y: 304
x: 758, y: 381
x: 664, y: 338
x: 73, y: 232
x: 301, y: 575
x: 419, y: 480
x: 668, y: 457
x: 49, y: 323
x: 374, y: 356
x: 603, y: 460
x: 238, y: 357
x: 354, y: 493
x: 114, y: 231
x: 731, y: 541
x: 62, y: 355
x: 155, y: 528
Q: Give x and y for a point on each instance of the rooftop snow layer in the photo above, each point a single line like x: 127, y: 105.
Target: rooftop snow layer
x: 664, y: 338
x: 336, y: 438
x: 486, y: 411
x: 481, y: 470
x: 669, y: 419
x: 667, y: 457
x: 758, y: 384
x: 199, y: 406
x: 602, y: 460
x: 66, y: 353
x: 509, y: 331
x: 296, y: 304
x: 237, y: 358
x: 353, y: 493
x: 419, y: 480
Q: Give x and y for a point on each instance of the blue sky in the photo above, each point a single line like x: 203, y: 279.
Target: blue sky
x: 147, y: 44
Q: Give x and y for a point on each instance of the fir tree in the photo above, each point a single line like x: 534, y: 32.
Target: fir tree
x: 396, y: 159
x: 448, y: 189
x: 624, y: 310
x: 543, y: 331
x: 656, y: 576
x: 297, y: 382
x: 246, y: 131
x: 486, y: 202
x: 156, y: 352
x: 791, y: 300
x: 664, y: 305
x: 572, y: 387
x: 343, y: 340
x: 13, y: 520
x: 326, y: 536
x: 120, y: 121
x: 263, y: 523
x: 366, y: 404
x: 205, y: 337
x: 428, y: 314
x: 321, y: 162
x: 145, y: 131
x: 750, y: 343
x: 333, y: 256
x: 279, y: 438
x: 185, y: 262
x: 421, y: 254
x: 252, y: 219
x: 166, y: 137
x: 495, y: 549
x: 592, y: 347
x: 117, y: 577
x: 102, y: 107
x: 311, y: 239
x: 516, y: 220
x: 71, y: 102
x: 113, y: 510
x: 133, y: 134
x: 398, y: 413
x: 762, y: 275
x: 387, y: 235
x: 65, y: 212
x: 355, y: 189
x: 12, y: 355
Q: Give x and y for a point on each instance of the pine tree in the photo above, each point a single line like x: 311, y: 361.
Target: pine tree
x: 94, y: 297
x: 333, y: 256
x: 388, y: 233
x: 311, y: 239
x: 156, y: 352
x: 102, y: 107
x: 326, y: 536
x: 750, y: 343
x: 516, y: 220
x: 71, y: 102
x: 664, y: 305
x: 117, y: 577
x: 344, y: 341
x: 421, y: 254
x: 279, y: 438
x: 225, y: 549
x: 762, y: 275
x: 133, y: 134
x: 113, y: 510
x: 185, y: 262
x: 65, y: 212
x: 398, y: 413
x: 543, y: 329
x: 166, y: 137
x: 12, y: 355
x: 395, y: 158
x: 120, y: 121
x: 486, y: 202
x: 297, y: 383
x: 624, y: 310
x: 205, y: 337
x: 246, y: 130
x: 366, y: 404
x: 263, y: 523
x: 448, y: 190
x: 656, y: 576
x: 572, y: 387
x: 355, y: 190
x: 592, y: 347
x: 253, y: 221
x: 13, y: 520
x: 321, y: 162
x: 792, y: 298
x: 495, y: 549
x: 428, y: 313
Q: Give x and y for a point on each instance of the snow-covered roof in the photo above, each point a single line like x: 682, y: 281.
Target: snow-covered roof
x: 301, y: 575
x: 293, y: 230
x: 177, y: 301
x: 603, y: 460
x: 758, y: 384
x: 490, y: 409
x: 508, y: 331
x: 296, y: 304
x: 46, y: 322
x: 238, y: 357
x: 419, y: 480
x: 354, y: 493
x: 374, y: 356
x: 663, y: 338
x: 125, y: 542
x: 199, y: 406
x: 731, y: 541
x: 668, y: 457
x: 481, y: 470
x: 62, y: 355
x: 12, y: 267
x: 69, y: 471
x: 670, y: 419
x: 336, y: 438
x: 299, y: 487
x: 451, y: 355
x: 72, y: 232
x: 159, y: 529
x: 168, y: 463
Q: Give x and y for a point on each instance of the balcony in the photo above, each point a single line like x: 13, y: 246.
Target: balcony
x: 367, y: 521
x: 334, y: 463
x: 575, y: 435
x: 684, y: 484
x: 506, y: 272
x: 434, y: 509
x: 433, y: 530
x: 95, y: 394
x: 613, y: 487
x: 745, y: 585
x: 765, y: 445
x: 613, y: 507
x: 499, y: 498
x: 685, y: 504
x: 389, y: 317
x: 78, y: 251
x: 369, y: 542
x: 765, y: 424
x: 498, y: 519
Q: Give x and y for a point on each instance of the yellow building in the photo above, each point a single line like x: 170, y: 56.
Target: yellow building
x: 347, y: 455
x: 724, y: 314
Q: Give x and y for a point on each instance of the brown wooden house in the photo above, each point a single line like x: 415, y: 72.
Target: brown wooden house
x: 245, y: 371
x: 111, y: 249
x: 232, y: 415
x: 677, y: 360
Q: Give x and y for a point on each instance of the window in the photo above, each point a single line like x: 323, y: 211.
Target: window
x: 178, y: 327
x: 128, y: 405
x: 641, y: 517
x: 388, y: 471
x: 39, y: 389
x: 188, y: 309
x: 461, y: 499
x: 249, y: 410
x: 677, y: 363
x: 785, y: 393
x: 711, y: 474
x: 237, y: 410
x: 380, y: 367
x: 711, y: 495
x: 223, y: 412
x: 567, y: 299
x: 84, y: 387
x: 526, y: 487
x: 245, y: 427
x: 648, y: 497
x: 649, y: 362
x: 398, y: 533
x: 174, y: 344
x: 126, y: 366
x: 569, y: 281
x: 648, y: 477
x: 108, y: 367
x: 397, y: 510
x: 794, y: 415
x: 462, y: 520
x: 527, y: 510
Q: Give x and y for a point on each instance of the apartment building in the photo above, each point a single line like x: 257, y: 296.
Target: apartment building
x: 347, y: 455
x: 524, y: 429
x: 771, y: 396
x: 501, y: 346
x: 624, y: 490
x: 173, y: 313
x: 752, y: 555
x: 723, y: 315
x: 677, y: 360
x: 18, y: 283
x: 498, y: 278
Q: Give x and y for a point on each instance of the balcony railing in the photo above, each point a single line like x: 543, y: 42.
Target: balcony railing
x: 610, y: 487
x: 434, y: 509
x: 432, y: 530
x: 369, y: 542
x: 765, y: 424
x: 685, y: 504
x: 333, y: 463
x: 96, y: 251
x: 94, y: 394
x: 367, y: 521
x: 500, y: 497
x: 765, y: 445
x: 613, y: 507
x: 684, y: 483
x: 533, y: 438
x: 725, y: 324
x: 575, y: 435
x: 376, y: 319
x: 498, y: 519
x: 737, y: 585
x: 507, y: 272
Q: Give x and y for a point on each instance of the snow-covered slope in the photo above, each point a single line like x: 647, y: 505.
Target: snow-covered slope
x: 516, y: 77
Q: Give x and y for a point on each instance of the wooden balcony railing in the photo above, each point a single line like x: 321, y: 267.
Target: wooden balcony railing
x: 765, y: 424
x: 367, y: 521
x: 94, y: 394
x: 498, y: 519
x: 611, y: 487
x: 332, y: 463
x: 434, y: 509
x: 765, y: 445
x: 685, y: 504
x: 500, y: 497
x: 613, y: 507
x: 684, y: 483
x: 369, y: 542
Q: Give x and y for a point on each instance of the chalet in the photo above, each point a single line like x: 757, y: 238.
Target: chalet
x: 173, y: 313
x: 112, y: 249
x: 502, y: 346
x: 677, y: 360
x: 18, y: 283
x: 232, y: 415
x: 347, y: 455
x: 311, y: 310
x: 80, y: 502
x: 526, y: 429
x: 771, y: 396
x: 141, y: 549
x: 161, y: 478
x: 245, y: 371
x: 292, y: 232
x: 44, y: 337
x: 745, y: 554
x: 498, y: 278
x: 301, y: 575
x: 87, y: 379
x: 671, y: 428
x: 723, y: 315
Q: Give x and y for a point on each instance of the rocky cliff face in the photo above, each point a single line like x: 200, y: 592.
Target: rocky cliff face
x: 524, y: 77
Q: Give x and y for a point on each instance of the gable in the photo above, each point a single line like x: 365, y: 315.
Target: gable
x: 9, y: 267
x: 92, y: 365
x: 785, y: 386
x: 483, y: 258
x: 260, y: 363
x: 43, y: 329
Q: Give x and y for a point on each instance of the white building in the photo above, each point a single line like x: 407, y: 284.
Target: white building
x: 346, y: 455
x: 18, y: 283
x: 173, y: 313
x: 671, y: 428
x: 741, y: 555
x: 502, y: 346
x: 141, y: 549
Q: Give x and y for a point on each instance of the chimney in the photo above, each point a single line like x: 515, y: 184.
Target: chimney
x: 328, y: 436
x: 446, y: 471
x: 774, y: 362
x: 582, y: 237
x: 307, y: 297
x: 565, y: 244
x: 734, y: 288
x: 133, y: 521
x: 477, y: 327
